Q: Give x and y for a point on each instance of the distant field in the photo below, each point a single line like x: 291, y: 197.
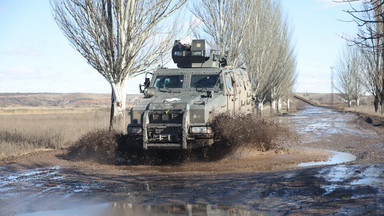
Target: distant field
x: 40, y: 129
x: 46, y: 110
x: 54, y: 100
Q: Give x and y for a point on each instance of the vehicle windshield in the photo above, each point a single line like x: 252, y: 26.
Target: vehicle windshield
x: 169, y: 81
x: 205, y: 81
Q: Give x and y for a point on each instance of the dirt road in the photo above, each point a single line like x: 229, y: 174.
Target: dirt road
x: 245, y: 183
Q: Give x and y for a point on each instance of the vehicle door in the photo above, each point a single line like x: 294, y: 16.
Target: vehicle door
x: 231, y: 92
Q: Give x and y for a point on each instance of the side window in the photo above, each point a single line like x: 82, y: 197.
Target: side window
x: 219, y: 84
x: 205, y: 81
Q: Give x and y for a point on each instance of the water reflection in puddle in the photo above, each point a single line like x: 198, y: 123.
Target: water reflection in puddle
x: 358, y: 181
x: 116, y: 209
x: 11, y: 181
x: 369, y: 176
x: 336, y: 158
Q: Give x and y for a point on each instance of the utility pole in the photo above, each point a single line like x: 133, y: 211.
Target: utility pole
x: 332, y: 87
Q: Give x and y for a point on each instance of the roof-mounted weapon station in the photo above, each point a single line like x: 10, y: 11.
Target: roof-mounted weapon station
x: 192, y: 54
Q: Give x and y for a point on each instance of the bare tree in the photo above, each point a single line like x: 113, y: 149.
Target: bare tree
x: 225, y: 23
x: 349, y: 75
x: 370, y: 21
x: 372, y: 75
x: 371, y: 41
x: 254, y: 35
x: 118, y: 38
x: 284, y: 75
x: 268, y: 54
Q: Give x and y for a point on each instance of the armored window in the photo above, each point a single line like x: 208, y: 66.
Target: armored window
x: 171, y: 81
x: 205, y: 81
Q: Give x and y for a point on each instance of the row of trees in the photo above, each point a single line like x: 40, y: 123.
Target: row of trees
x: 365, y: 62
x: 116, y: 38
x: 255, y: 35
x: 349, y: 74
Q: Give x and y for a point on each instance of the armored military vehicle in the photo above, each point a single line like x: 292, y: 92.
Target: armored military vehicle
x: 179, y: 104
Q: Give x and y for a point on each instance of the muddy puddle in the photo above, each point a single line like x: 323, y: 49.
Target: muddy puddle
x: 351, y: 182
x: 334, y: 158
x: 343, y: 189
x: 132, y: 209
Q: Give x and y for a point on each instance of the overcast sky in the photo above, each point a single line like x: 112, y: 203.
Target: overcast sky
x: 36, y: 57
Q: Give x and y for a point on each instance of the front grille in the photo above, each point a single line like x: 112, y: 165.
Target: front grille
x: 160, y: 117
x: 165, y: 134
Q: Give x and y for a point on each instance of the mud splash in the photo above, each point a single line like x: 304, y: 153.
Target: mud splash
x: 100, y: 146
x: 230, y: 133
x: 255, y: 131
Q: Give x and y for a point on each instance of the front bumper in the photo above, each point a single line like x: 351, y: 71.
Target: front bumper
x: 170, y: 136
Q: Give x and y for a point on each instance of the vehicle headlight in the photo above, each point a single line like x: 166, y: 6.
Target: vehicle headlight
x: 201, y: 130
x: 134, y: 130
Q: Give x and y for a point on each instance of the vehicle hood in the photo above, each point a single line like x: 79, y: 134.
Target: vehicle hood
x: 176, y: 100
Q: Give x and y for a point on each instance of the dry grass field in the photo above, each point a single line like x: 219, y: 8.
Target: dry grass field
x: 24, y: 133
x: 38, y: 121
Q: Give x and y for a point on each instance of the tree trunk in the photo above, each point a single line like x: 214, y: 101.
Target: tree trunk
x: 119, y: 97
x: 382, y: 101
x: 259, y: 107
x: 273, y: 106
x: 278, y: 108
x: 381, y: 107
x: 357, y: 102
x: 376, y: 103
x: 349, y: 102
x: 288, y: 104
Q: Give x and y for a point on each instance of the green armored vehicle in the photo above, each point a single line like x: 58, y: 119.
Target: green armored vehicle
x: 179, y: 104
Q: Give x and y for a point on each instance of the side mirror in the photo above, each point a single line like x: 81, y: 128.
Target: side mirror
x: 146, y: 82
x: 142, y: 87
